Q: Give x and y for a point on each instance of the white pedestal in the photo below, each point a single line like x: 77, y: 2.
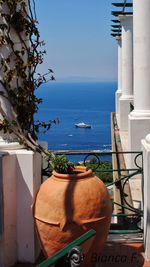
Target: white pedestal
x: 8, y: 245
x: 138, y: 128
x: 20, y: 179
x: 124, y: 110
x: 28, y: 182
x: 146, y: 160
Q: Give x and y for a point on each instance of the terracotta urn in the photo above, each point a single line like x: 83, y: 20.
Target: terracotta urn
x: 67, y: 206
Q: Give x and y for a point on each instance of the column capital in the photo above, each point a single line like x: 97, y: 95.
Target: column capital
x: 125, y: 19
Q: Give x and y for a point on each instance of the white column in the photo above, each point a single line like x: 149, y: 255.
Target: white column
x: 119, y: 92
x: 7, y: 140
x: 127, y: 70
x: 146, y: 161
x: 20, y: 177
x: 139, y: 118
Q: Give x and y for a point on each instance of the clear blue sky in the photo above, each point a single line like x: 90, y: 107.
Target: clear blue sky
x: 78, y: 41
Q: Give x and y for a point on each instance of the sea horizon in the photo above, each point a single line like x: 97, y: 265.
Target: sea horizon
x: 75, y: 102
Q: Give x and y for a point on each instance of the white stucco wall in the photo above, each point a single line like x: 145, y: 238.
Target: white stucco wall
x: 20, y: 179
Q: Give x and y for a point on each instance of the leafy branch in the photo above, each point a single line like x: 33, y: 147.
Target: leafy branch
x: 20, y: 43
x: 22, y: 52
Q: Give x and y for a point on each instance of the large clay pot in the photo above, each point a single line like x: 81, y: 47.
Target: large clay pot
x: 67, y: 206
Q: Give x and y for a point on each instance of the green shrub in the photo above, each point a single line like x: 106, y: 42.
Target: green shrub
x: 101, y: 170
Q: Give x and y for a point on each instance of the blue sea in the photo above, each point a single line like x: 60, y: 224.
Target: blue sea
x: 72, y: 103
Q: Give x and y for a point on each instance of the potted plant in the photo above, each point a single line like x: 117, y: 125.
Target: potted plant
x: 69, y: 203
x: 61, y: 164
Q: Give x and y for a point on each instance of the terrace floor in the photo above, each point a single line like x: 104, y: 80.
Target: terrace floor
x: 116, y: 254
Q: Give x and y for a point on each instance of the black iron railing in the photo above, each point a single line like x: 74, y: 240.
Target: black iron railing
x: 129, y: 218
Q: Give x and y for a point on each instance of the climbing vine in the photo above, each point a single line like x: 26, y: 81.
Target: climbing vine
x: 22, y: 51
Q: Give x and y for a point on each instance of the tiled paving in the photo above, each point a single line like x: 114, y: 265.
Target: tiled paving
x: 116, y: 254
x: 122, y: 254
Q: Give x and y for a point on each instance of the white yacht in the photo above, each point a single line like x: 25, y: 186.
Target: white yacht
x: 82, y: 125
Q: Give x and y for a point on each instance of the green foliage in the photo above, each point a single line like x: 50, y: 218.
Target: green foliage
x: 103, y: 174
x: 61, y: 164
x: 18, y: 68
x: 101, y: 170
